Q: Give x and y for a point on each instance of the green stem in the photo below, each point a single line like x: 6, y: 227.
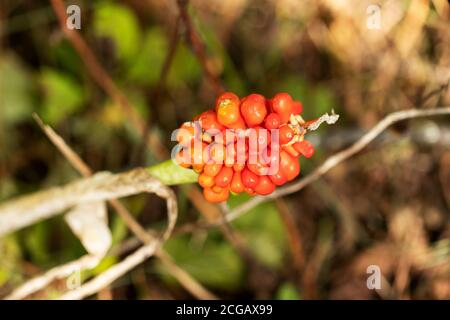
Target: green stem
x: 171, y: 173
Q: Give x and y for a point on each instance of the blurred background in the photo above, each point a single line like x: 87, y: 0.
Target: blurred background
x: 387, y: 206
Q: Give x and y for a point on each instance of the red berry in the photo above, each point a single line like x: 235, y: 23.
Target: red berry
x: 257, y: 168
x: 250, y: 192
x: 278, y: 178
x: 249, y: 179
x: 282, y: 105
x: 259, y: 139
x: 223, y: 178
x: 265, y: 186
x: 212, y: 169
x: 230, y: 155
x: 208, y: 121
x: 291, y: 150
x: 253, y: 109
x: 286, y: 134
x: 289, y: 166
x: 186, y: 133
x: 214, y: 153
x: 239, y: 124
x: 305, y: 148
x: 237, y: 186
x: 273, y: 121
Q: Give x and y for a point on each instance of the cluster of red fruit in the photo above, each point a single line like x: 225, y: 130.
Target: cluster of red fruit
x: 226, y: 164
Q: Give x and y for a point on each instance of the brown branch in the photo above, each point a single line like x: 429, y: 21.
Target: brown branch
x: 197, y: 45
x: 154, y: 99
x: 295, y: 240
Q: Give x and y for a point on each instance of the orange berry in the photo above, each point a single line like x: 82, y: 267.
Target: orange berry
x: 205, y: 181
x: 212, y: 169
x: 223, y: 178
x: 265, y: 186
x: 216, y: 197
x: 237, y: 186
x: 227, y: 109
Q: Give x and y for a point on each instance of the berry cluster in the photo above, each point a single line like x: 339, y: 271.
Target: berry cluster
x: 245, y: 145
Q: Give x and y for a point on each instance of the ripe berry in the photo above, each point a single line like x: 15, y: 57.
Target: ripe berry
x: 239, y: 124
x: 291, y: 150
x: 286, y: 134
x: 282, y: 105
x: 212, y: 169
x: 273, y: 121
x: 237, y: 186
x: 259, y: 139
x: 215, y: 197
x: 186, y: 133
x: 230, y: 155
x: 227, y: 109
x: 253, y: 109
x: 305, y: 148
x: 278, y: 178
x: 214, y: 153
x: 205, y: 181
x: 265, y: 186
x: 250, y: 191
x: 197, y: 155
x: 223, y: 178
x: 208, y: 121
x: 289, y: 166
x: 249, y: 179
x: 257, y: 167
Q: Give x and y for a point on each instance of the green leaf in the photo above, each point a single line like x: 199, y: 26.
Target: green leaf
x: 287, y: 291
x: 62, y: 96
x: 36, y: 243
x: 148, y: 63
x: 118, y: 22
x: 213, y: 263
x: 15, y: 91
x: 10, y: 254
x: 185, y: 67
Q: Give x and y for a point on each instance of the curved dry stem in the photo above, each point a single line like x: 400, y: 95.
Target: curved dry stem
x: 339, y: 157
x: 100, y: 187
x: 29, y: 209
